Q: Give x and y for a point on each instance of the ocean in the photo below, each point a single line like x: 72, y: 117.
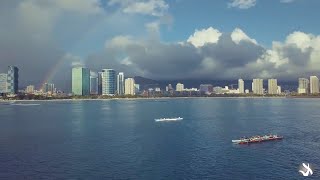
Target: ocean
x: 119, y: 139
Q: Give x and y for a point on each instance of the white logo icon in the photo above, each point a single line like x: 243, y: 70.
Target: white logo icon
x: 306, y: 170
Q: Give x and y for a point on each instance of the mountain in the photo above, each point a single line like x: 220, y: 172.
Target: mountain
x: 146, y: 83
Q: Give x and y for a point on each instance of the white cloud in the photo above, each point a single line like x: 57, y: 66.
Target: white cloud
x: 120, y: 42
x: 300, y: 39
x: 78, y: 6
x: 286, y: 1
x: 74, y: 60
x: 238, y: 35
x: 204, y: 36
x: 145, y: 7
x: 242, y: 4
x: 217, y: 55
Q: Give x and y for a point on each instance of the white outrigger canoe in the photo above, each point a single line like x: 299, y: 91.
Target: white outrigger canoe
x: 169, y: 119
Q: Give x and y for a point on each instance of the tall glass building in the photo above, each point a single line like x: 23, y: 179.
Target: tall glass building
x: 13, y: 80
x: 108, y: 82
x: 93, y: 83
x: 120, y: 83
x: 99, y: 83
x: 80, y: 81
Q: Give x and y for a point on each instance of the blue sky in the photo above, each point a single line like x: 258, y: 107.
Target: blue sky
x: 161, y: 39
x: 268, y: 20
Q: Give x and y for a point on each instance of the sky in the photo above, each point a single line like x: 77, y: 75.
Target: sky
x: 160, y: 39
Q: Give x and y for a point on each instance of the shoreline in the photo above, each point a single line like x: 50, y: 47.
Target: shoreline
x: 163, y: 98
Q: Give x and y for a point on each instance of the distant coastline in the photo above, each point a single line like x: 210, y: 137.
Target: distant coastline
x: 159, y: 97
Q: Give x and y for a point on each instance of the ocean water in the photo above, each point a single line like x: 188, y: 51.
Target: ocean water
x: 119, y: 139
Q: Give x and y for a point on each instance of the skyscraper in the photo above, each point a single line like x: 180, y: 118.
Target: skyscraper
x: 13, y: 80
x: 303, y: 86
x: 99, y: 83
x: 314, y: 85
x: 129, y: 86
x: 108, y: 82
x: 272, y: 86
x: 120, y: 83
x: 241, y: 86
x: 3, y: 83
x: 257, y: 86
x: 179, y: 87
x: 93, y: 83
x: 80, y: 81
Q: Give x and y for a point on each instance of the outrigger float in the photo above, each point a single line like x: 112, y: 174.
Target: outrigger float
x: 257, y: 139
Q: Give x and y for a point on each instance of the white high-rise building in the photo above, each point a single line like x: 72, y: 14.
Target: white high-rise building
x: 303, y: 86
x: 120, y: 83
x: 257, y: 86
x: 241, y: 86
x: 30, y: 89
x: 272, y: 86
x: 3, y: 83
x: 179, y: 87
x: 314, y: 85
x: 108, y: 78
x: 129, y: 86
x: 279, y: 90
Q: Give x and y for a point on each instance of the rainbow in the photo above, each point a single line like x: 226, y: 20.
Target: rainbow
x: 52, y: 72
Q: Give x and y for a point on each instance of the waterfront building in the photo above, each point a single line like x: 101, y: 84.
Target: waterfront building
x: 279, y: 90
x: 314, y: 85
x: 120, y: 83
x: 99, y: 83
x: 3, y: 83
x: 241, y: 86
x: 108, y: 82
x: 247, y: 91
x: 80, y: 81
x: 191, y: 90
x: 257, y: 86
x: 206, y: 88
x: 30, y: 89
x: 93, y: 83
x: 157, y: 89
x: 179, y: 87
x: 48, y: 88
x: 169, y: 87
x: 129, y: 86
x: 303, y: 87
x: 272, y: 86
x: 218, y: 90
x: 13, y: 80
x: 137, y: 88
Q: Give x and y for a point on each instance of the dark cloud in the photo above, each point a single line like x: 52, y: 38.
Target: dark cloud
x: 33, y: 36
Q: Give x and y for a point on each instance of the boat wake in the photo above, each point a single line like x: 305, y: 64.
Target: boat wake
x: 168, y: 119
x: 20, y: 104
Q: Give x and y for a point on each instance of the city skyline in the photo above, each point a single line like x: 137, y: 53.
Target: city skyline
x: 159, y: 42
x: 86, y: 82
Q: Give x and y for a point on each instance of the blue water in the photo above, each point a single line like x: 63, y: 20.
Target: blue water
x: 118, y: 139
